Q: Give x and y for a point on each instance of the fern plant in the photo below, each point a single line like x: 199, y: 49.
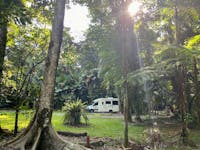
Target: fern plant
x: 73, y: 112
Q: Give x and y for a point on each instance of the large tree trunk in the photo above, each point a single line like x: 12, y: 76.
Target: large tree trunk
x: 180, y: 80
x: 40, y: 133
x: 129, y: 61
x: 125, y: 87
x: 3, y: 40
x: 131, y: 55
x: 197, y: 90
x: 125, y: 72
x: 182, y: 106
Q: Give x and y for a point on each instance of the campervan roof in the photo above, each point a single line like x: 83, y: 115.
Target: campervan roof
x: 103, y: 99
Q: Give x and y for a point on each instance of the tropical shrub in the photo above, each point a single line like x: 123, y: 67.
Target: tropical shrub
x: 73, y: 112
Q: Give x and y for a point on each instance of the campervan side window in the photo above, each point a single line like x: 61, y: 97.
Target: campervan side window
x: 95, y: 104
x: 115, y: 102
x: 108, y: 102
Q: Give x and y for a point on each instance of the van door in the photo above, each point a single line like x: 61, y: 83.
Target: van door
x: 115, y: 105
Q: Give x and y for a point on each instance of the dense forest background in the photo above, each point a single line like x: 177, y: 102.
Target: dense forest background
x: 160, y: 66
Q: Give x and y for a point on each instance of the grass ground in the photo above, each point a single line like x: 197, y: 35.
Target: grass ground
x: 97, y: 125
x: 105, y: 125
x: 7, y: 119
x: 100, y: 127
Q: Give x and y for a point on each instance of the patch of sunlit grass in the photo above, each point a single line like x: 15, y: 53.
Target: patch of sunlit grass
x: 7, y: 120
x: 4, y: 117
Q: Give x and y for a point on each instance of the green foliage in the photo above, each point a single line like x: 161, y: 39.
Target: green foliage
x: 73, y: 112
x: 78, y: 73
x: 140, y: 76
x: 193, y: 42
x: 188, y: 118
x: 14, y: 10
x: 26, y: 48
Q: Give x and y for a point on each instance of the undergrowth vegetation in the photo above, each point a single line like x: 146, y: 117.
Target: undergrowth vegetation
x: 73, y: 111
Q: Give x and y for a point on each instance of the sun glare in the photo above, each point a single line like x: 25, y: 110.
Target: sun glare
x: 134, y: 7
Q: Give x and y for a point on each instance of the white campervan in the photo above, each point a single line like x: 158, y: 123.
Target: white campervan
x: 109, y: 104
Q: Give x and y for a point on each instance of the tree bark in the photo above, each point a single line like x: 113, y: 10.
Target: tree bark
x: 197, y: 89
x: 129, y: 61
x: 40, y: 133
x: 16, y: 121
x: 125, y: 85
x: 182, y: 106
x: 125, y: 24
x: 3, y: 40
x: 180, y: 80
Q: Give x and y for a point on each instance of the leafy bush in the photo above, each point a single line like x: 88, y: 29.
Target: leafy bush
x: 73, y: 112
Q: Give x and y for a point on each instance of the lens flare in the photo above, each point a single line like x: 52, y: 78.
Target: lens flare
x: 134, y: 7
